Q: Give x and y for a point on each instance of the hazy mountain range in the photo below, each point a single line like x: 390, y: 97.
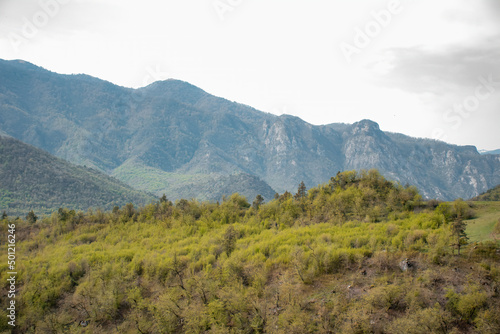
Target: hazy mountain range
x: 174, y: 138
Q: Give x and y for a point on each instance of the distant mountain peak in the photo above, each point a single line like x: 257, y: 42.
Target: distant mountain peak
x: 172, y: 83
x: 365, y: 126
x: 179, y: 90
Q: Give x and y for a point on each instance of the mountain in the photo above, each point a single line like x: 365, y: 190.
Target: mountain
x: 492, y: 194
x: 170, y: 135
x: 33, y: 179
x: 489, y: 152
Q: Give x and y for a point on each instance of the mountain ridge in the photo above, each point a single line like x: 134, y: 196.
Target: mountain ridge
x: 180, y: 129
x: 32, y: 179
x: 489, y: 151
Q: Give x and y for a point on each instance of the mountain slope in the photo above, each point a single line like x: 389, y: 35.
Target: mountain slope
x: 186, y: 134
x: 33, y: 179
x: 490, y: 152
x: 492, y: 194
x: 211, y: 187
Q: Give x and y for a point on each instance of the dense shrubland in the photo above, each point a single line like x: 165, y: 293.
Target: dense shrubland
x: 326, y: 260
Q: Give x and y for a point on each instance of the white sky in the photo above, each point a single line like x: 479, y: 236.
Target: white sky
x: 285, y: 56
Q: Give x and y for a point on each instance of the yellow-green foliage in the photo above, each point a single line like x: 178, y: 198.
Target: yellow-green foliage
x: 328, y: 262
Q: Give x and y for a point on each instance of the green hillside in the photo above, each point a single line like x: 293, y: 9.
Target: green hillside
x: 31, y: 179
x: 490, y: 195
x: 356, y: 255
x: 207, y: 187
x: 486, y: 225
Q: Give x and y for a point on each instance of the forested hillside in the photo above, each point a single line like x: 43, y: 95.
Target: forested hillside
x: 210, y: 187
x: 358, y: 254
x: 492, y: 194
x: 31, y: 179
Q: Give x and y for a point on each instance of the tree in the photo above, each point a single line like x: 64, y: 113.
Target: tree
x: 301, y: 191
x: 458, y: 227
x: 163, y: 199
x: 286, y: 195
x: 65, y: 214
x: 461, y: 211
x: 230, y: 237
x: 344, y: 179
x: 31, y: 217
x: 257, y: 202
x: 4, y: 215
x: 128, y: 210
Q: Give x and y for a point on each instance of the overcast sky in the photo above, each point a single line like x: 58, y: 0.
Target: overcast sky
x: 424, y: 68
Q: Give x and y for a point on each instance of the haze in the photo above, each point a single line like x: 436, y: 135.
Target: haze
x: 422, y: 68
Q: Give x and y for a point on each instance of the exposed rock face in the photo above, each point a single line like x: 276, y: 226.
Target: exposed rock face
x: 439, y: 170
x: 176, y: 128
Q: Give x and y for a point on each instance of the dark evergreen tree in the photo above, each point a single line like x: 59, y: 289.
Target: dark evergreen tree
x: 460, y: 237
x: 301, y: 191
x: 230, y: 237
x: 31, y: 217
x: 163, y: 199
x: 257, y: 202
x: 286, y: 195
x: 458, y: 226
x: 62, y: 214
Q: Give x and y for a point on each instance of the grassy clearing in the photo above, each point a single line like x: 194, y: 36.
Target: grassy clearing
x: 151, y: 179
x: 481, y: 228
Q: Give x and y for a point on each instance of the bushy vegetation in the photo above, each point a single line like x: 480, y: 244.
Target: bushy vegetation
x: 357, y: 255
